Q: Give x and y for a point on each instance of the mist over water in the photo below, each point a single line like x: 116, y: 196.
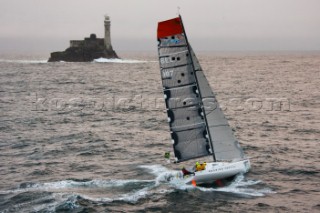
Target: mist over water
x: 91, y: 136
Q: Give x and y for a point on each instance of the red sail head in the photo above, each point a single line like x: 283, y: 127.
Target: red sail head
x: 170, y: 27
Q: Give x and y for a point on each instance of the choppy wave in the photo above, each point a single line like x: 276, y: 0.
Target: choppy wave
x: 66, y: 194
x: 67, y: 184
x: 43, y: 146
x: 118, y: 60
x: 239, y: 186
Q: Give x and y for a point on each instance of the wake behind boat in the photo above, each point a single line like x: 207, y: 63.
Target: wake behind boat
x: 198, y: 127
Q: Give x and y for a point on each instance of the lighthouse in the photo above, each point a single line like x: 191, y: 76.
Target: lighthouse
x: 88, y: 49
x: 107, y: 36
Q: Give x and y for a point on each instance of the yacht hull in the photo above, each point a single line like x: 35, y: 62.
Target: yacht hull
x: 217, y: 171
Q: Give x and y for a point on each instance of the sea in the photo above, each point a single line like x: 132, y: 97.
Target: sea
x: 91, y: 137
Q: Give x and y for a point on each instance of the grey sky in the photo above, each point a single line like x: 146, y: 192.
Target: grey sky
x: 213, y: 25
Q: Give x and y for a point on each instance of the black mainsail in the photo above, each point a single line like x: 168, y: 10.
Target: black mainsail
x: 197, y: 124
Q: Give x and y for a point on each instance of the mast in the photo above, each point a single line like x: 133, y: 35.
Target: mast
x: 197, y: 130
x: 186, y: 115
x: 201, y: 102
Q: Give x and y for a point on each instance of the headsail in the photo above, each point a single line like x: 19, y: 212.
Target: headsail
x: 225, y: 145
x: 191, y: 105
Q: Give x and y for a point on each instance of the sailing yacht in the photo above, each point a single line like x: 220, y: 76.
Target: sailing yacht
x: 198, y: 127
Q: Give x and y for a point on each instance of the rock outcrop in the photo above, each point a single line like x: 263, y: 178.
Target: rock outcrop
x: 88, y: 49
x: 84, y: 50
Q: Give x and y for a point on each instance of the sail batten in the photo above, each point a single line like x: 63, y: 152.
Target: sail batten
x: 197, y: 124
x: 176, y: 66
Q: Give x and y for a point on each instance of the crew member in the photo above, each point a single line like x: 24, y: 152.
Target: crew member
x: 198, y: 166
x: 185, y: 171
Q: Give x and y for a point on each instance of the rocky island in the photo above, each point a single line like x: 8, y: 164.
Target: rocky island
x: 88, y: 49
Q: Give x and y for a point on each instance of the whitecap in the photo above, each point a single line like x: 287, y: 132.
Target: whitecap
x: 239, y: 186
x: 118, y: 60
x: 165, y: 181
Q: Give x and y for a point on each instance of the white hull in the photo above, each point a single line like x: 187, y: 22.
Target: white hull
x: 217, y: 171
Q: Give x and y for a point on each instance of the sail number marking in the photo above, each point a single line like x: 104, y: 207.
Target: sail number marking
x: 167, y: 73
x: 165, y: 60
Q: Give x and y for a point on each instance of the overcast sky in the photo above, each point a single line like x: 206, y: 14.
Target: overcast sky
x: 212, y: 25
